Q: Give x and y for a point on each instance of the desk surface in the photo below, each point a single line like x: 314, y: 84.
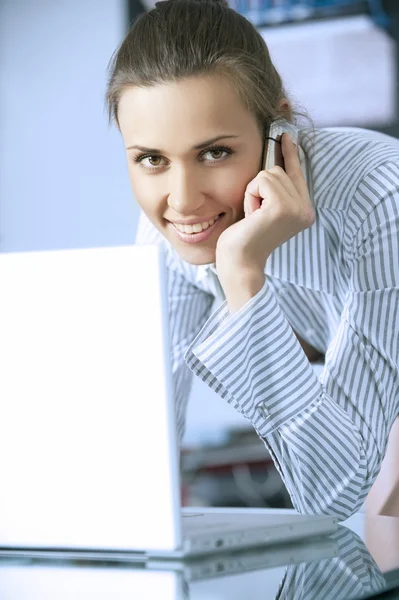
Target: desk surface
x: 350, y: 564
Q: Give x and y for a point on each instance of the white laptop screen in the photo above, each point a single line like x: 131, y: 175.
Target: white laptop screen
x: 87, y: 443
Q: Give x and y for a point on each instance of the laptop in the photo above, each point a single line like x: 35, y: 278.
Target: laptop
x: 89, y: 459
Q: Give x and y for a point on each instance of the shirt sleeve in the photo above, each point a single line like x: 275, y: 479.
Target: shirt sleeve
x: 327, y: 435
x: 189, y: 308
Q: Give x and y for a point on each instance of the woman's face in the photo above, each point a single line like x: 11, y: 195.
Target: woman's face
x: 192, y: 147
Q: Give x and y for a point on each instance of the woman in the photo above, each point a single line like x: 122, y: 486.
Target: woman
x: 298, y: 266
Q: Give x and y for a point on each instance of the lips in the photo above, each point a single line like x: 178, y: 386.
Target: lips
x: 195, y: 227
x: 195, y: 238
x: 199, y: 220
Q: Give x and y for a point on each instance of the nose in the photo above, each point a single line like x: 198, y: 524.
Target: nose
x: 185, y: 196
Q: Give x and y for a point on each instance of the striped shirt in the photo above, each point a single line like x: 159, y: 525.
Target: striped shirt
x: 336, y: 285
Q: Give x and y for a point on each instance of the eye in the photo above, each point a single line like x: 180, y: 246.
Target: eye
x: 153, y: 158
x: 219, y: 151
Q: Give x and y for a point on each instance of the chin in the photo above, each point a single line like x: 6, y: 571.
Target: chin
x: 197, y: 256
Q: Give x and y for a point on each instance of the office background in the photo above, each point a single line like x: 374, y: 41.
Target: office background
x: 63, y: 177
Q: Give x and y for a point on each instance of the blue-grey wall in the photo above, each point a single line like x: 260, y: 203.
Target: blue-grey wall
x: 63, y: 177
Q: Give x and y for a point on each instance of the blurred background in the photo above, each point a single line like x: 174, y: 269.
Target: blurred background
x: 63, y: 177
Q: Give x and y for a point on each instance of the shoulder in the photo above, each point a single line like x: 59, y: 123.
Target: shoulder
x: 354, y: 173
x: 348, y: 141
x: 341, y: 158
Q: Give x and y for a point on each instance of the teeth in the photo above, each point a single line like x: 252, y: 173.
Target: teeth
x: 196, y: 228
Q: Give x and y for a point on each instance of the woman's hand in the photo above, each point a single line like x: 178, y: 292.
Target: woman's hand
x: 277, y: 207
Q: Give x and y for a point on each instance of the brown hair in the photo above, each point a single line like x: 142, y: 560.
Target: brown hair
x: 185, y: 38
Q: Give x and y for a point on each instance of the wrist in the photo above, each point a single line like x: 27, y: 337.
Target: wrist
x: 240, y: 286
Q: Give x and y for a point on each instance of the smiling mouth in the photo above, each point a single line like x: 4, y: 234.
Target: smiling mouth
x: 194, y: 237
x: 192, y: 229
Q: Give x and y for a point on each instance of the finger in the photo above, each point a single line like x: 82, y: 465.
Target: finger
x: 253, y: 197
x: 261, y: 190
x: 292, y: 164
x: 282, y: 177
x: 265, y: 182
x: 252, y: 202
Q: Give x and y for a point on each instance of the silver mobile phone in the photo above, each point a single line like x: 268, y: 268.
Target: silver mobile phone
x: 274, y: 155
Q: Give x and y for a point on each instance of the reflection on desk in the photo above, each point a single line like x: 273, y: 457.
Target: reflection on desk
x: 339, y: 566
x: 352, y: 574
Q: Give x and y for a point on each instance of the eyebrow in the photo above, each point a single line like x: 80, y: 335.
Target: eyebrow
x: 197, y: 147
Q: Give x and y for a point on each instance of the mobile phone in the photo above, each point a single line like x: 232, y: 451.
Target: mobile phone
x: 274, y: 154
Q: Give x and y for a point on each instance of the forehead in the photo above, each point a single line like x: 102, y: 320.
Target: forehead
x: 193, y: 107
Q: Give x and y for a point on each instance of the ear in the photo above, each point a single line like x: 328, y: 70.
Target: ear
x: 284, y: 109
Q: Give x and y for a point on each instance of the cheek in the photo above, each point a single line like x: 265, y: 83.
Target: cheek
x: 143, y: 192
x: 135, y: 182
x: 234, y: 190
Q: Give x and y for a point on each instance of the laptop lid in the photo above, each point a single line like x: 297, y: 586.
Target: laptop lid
x: 88, y: 450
